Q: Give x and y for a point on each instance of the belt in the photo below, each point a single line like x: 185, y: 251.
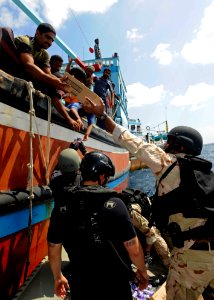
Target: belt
x: 203, y: 246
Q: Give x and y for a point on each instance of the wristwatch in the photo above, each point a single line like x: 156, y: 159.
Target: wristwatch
x: 103, y: 116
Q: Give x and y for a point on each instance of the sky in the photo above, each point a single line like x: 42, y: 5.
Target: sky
x: 166, y: 51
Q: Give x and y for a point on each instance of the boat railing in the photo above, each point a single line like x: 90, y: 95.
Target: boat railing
x: 14, y: 93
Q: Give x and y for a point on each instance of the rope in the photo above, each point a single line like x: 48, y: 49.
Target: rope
x: 117, y: 104
x: 30, y: 164
x: 47, y: 159
x: 78, y: 24
x: 30, y: 176
x: 48, y: 142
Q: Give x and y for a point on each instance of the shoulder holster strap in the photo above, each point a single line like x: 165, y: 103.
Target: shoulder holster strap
x: 168, y: 170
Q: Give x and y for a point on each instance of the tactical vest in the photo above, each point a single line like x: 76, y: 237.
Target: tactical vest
x: 194, y: 197
x: 81, y: 206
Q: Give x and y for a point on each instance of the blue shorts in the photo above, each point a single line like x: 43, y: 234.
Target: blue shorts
x: 78, y: 106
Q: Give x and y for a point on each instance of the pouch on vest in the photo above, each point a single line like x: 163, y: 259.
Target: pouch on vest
x: 194, y: 198
x: 134, y: 196
x: 81, y: 206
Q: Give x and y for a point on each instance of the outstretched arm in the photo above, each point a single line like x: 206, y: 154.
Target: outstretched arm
x: 150, y: 154
x: 60, y: 282
x: 68, y: 67
x: 42, y: 75
x: 99, y: 110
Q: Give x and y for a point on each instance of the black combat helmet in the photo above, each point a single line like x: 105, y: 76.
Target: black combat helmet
x: 94, y: 164
x: 187, y: 137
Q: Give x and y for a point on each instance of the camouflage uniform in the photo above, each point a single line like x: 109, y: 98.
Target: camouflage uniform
x: 191, y: 271
x: 26, y: 44
x: 152, y: 234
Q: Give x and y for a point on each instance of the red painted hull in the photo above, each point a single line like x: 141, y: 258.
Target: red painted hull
x: 15, y: 151
x: 14, y: 158
x: 13, y: 253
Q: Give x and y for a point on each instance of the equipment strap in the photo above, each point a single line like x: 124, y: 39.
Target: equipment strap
x: 168, y: 170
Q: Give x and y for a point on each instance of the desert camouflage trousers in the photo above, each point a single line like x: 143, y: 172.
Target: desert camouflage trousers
x: 161, y: 248
x: 153, y: 235
x: 190, y: 272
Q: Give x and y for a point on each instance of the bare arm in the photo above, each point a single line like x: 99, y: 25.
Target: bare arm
x: 68, y: 67
x: 88, y: 131
x: 136, y: 255
x: 62, y: 110
x: 60, y: 282
x: 42, y: 75
x: 78, y: 118
x: 47, y: 70
x: 75, y: 113
x: 112, y: 98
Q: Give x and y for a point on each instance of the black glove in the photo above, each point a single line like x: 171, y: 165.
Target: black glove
x: 82, y: 148
x: 199, y: 233
x: 74, y: 145
x: 77, y: 144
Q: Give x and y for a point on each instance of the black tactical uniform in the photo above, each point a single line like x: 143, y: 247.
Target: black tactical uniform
x: 92, y: 224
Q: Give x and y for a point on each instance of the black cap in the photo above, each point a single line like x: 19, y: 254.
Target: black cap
x: 45, y: 27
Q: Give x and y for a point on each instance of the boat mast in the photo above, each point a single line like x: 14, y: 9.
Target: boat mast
x: 37, y: 20
x: 167, y: 128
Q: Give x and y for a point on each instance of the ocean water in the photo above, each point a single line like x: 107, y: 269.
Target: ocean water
x: 144, y: 179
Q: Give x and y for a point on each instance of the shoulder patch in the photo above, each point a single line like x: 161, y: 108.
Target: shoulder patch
x: 110, y: 204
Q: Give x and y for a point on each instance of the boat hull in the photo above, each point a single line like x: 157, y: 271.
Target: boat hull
x: 13, y: 255
x: 14, y: 177
x: 15, y: 149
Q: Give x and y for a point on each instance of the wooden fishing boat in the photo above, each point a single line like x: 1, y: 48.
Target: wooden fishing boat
x: 30, y: 145
x: 32, y: 135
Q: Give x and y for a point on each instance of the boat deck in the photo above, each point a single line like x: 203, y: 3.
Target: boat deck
x: 41, y: 284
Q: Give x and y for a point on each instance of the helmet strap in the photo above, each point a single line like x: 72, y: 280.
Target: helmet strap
x: 173, y: 147
x: 99, y: 181
x: 102, y: 180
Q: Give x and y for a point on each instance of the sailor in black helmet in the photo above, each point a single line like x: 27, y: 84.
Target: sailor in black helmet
x: 184, y: 138
x: 192, y: 263
x: 95, y: 229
